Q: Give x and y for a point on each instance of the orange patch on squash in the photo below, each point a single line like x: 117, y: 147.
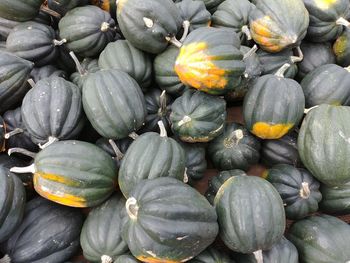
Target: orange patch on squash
x: 265, y: 174
x: 155, y: 260
x: 340, y: 46
x: 270, y: 131
x: 196, y: 68
x: 105, y: 5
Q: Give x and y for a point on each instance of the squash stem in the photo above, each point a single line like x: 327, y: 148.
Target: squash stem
x: 282, y: 70
x: 174, y: 41
x: 23, y: 170
x: 133, y: 135
x: 21, y: 151
x: 305, y: 190
x: 234, y: 138
x: 132, y: 208
x: 106, y: 259
x: 116, y: 149
x: 250, y: 52
x: 184, y: 120
x: 343, y: 22
x: 299, y: 58
x: 162, y: 129
x: 80, y: 69
x: 259, y: 256
x: 162, y: 103
x: 306, y: 111
x: 186, y: 25
x: 185, y: 180
x: 347, y: 68
x: 12, y: 133
x: 50, y: 12
x: 48, y: 143
x: 5, y: 259
x: 59, y: 42
x: 31, y: 82
x: 246, y: 31
x: 105, y: 26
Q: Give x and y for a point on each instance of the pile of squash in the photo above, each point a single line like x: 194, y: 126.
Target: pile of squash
x: 112, y: 112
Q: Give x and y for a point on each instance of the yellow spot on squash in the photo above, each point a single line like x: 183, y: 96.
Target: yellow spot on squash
x: 195, y: 68
x: 325, y: 4
x: 57, y: 178
x: 120, y: 5
x: 265, y: 174
x: 155, y: 260
x: 340, y: 46
x: 270, y: 131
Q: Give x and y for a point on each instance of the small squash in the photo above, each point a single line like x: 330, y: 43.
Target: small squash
x: 195, y: 13
x: 335, y: 199
x: 20, y: 10
x: 341, y: 48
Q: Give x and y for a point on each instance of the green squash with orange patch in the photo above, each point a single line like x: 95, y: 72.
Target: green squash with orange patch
x: 269, y: 95
x: 341, y: 48
x: 210, y: 60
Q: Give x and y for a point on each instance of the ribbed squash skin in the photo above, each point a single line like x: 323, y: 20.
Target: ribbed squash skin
x: 233, y: 14
x: 47, y: 71
x: 113, y: 103
x: 195, y: 12
x: 211, y: 255
x: 151, y: 156
x: 108, y: 5
x: 6, y: 26
x: 123, y: 56
x: 327, y: 84
x: 298, y: 189
x: 210, y: 60
x: 164, y: 17
x: 90, y: 66
x: 12, y: 203
x: 63, y: 6
x: 101, y: 232
x: 235, y: 148
x: 198, y: 117
x: 33, y: 41
x: 212, y: 5
x: 335, y: 199
x: 127, y: 259
x: 321, y: 239
x: 282, y: 252
x: 268, y: 95
x: 20, y: 10
x: 166, y: 226
x: 315, y: 55
x: 87, y: 29
x: 255, y: 200
x: 53, y: 109
x: 341, y: 48
x: 323, y: 144
x: 13, y: 79
x: 275, y: 32
x: 48, y: 233
x: 74, y: 173
x: 323, y: 19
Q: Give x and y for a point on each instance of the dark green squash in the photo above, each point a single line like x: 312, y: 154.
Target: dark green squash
x: 113, y: 103
x: 341, y: 48
x: 321, y: 239
x: 123, y: 56
x: 198, y: 117
x: 52, y: 110
x: 327, y: 19
x: 195, y: 13
x: 211, y: 255
x: 212, y: 5
x: 13, y: 79
x: 151, y: 25
x: 8, y: 162
x: 20, y: 10
x: 35, y: 42
x: 335, y: 199
x: 268, y: 95
x: 323, y: 144
x: 63, y: 6
x: 48, y: 233
x: 281, y: 151
x: 6, y: 26
x: 235, y: 148
x: 64, y: 61
x: 150, y: 156
x: 100, y: 236
x: 162, y: 227
x: 127, y: 259
x: 250, y: 214
x: 73, y: 173
x: 46, y: 72
x: 277, y: 25
x: 12, y: 203
x: 109, y: 6
x: 298, y: 189
x: 86, y: 67
x: 329, y: 84
x: 87, y: 30
x: 210, y: 60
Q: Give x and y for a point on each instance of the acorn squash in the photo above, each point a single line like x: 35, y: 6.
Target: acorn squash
x: 20, y: 10
x: 335, y: 199
x: 341, y: 48
x: 195, y: 13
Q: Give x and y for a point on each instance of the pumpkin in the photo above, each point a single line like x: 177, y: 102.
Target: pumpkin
x: 330, y: 143
x: 53, y: 238
x: 46, y: 72
x: 100, y: 236
x: 298, y: 189
x: 123, y: 56
x: 275, y: 32
x: 315, y: 55
x: 151, y: 25
x: 12, y: 203
x: 327, y: 19
x: 13, y: 79
x: 321, y: 239
x: 150, y: 156
x: 210, y: 60
x: 113, y: 103
x: 250, y: 214
x: 235, y: 148
x: 86, y: 67
x: 268, y: 95
x: 234, y: 14
x: 87, y: 30
x: 341, y: 48
x: 6, y: 26
x: 198, y: 117
x: 52, y: 110
x: 211, y: 255
x: 281, y: 151
x: 127, y: 259
x: 35, y: 42
x: 335, y: 199
x: 162, y: 227
x: 73, y: 173
x: 20, y: 10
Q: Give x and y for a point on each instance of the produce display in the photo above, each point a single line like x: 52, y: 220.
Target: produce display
x: 171, y: 131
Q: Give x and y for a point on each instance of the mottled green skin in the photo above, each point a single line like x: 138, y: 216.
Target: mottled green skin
x: 323, y: 144
x: 212, y: 255
x: 20, y: 10
x: 335, y: 199
x: 250, y: 214
x: 321, y: 239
